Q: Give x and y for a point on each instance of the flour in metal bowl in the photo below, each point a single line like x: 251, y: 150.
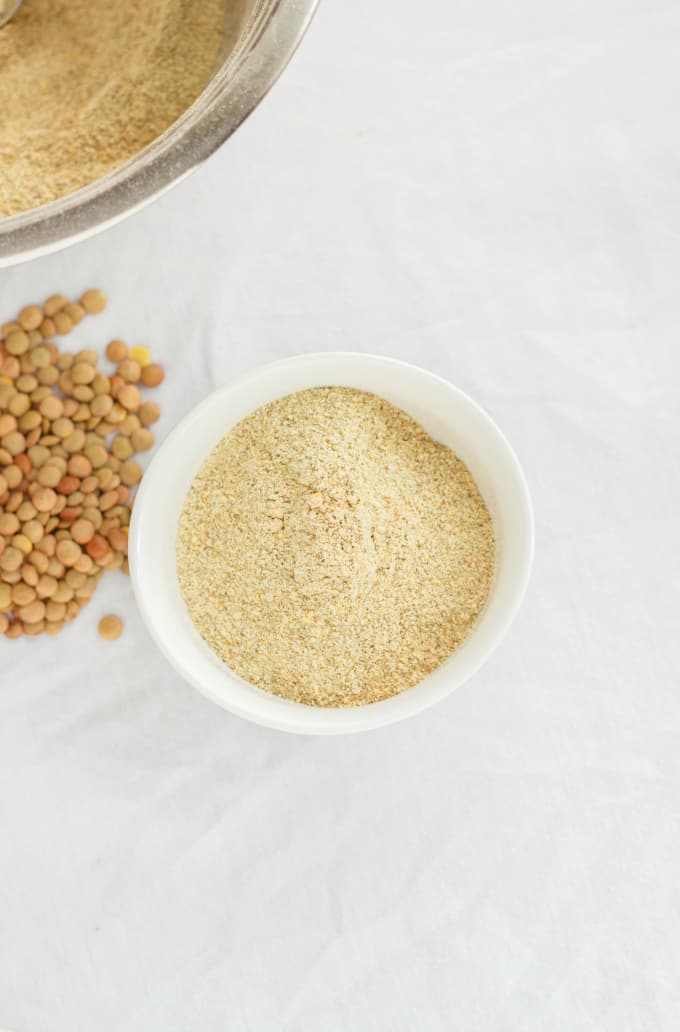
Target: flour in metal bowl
x: 87, y: 84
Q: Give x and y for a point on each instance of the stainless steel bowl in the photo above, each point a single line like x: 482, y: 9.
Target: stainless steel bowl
x: 267, y: 35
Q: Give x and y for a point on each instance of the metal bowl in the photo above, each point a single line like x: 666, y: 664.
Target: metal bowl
x: 254, y: 57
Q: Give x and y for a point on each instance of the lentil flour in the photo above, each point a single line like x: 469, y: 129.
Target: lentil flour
x: 331, y: 552
x: 86, y: 84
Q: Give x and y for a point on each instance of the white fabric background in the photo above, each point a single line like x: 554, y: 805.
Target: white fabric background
x: 491, y: 190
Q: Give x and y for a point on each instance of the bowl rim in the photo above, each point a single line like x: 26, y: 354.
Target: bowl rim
x: 270, y: 37
x: 339, y: 720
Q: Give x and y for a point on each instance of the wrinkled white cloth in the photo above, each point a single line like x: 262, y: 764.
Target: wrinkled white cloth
x: 490, y: 190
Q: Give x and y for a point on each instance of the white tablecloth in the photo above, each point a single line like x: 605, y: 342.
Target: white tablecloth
x: 491, y: 190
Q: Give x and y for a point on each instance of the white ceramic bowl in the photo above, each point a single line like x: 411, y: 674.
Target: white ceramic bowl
x: 445, y: 412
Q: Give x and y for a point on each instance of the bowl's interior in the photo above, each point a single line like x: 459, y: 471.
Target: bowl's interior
x: 259, y: 38
x: 446, y: 413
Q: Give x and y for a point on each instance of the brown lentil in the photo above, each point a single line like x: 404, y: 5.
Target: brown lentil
x: 64, y: 361
x: 34, y: 531
x: 94, y: 301
x: 33, y: 612
x: 30, y: 317
x: 62, y: 427
x: 49, y: 476
x: 110, y: 627
x: 68, y: 552
x: 74, y: 579
x: 21, y: 542
x: 130, y: 472
x: 152, y: 375
x: 117, y: 413
x: 12, y: 476
x: 63, y: 323
x: 26, y: 512
x: 54, y: 304
x: 26, y: 383
x: 16, y: 342
x: 116, y: 350
x: 63, y: 592
x: 14, y: 442
x: 46, y: 586
x: 97, y: 547
x: 23, y: 594
x: 44, y: 499
x: 130, y: 398
x: 33, y: 629
x: 39, y: 560
x: 48, y: 376
x: 149, y: 413
x: 82, y: 372
x: 55, y: 610
x: 55, y: 568
x: 8, y: 423
x: 29, y: 574
x: 122, y: 447
x: 9, y: 524
x: 76, y: 313
x: 40, y: 357
x: 66, y: 465
x: 79, y: 466
x: 38, y: 454
x: 108, y: 500
x: 129, y: 425
x: 129, y: 370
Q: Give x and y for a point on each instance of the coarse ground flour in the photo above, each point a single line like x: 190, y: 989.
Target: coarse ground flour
x: 86, y: 84
x: 331, y: 552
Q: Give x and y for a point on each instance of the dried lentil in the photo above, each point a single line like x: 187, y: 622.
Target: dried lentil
x: 51, y: 501
x: 110, y: 627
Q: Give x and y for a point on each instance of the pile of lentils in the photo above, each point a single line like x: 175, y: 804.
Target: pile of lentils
x: 68, y: 434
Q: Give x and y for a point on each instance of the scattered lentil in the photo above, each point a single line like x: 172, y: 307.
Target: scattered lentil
x: 116, y: 350
x: 152, y: 375
x: 141, y: 439
x: 30, y: 317
x: 110, y: 627
x: 129, y: 370
x: 149, y: 413
x: 64, y: 485
x: 130, y: 472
